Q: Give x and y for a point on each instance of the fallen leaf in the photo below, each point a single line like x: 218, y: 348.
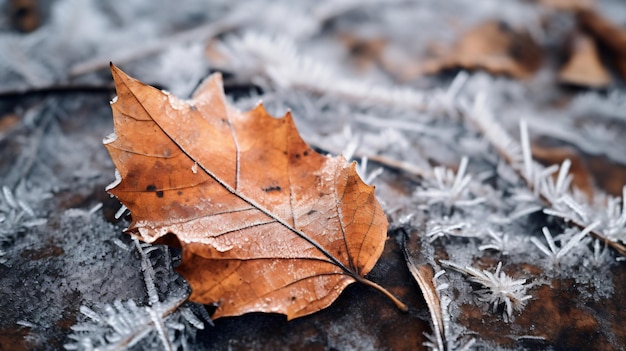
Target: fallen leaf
x: 266, y: 224
x: 424, y: 276
x: 609, y: 34
x: 492, y: 46
x: 584, y: 67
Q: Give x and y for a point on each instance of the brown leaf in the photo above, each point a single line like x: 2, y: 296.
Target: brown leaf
x: 584, y: 67
x: 491, y: 46
x: 266, y: 224
x: 605, y: 31
x: 612, y: 36
x: 423, y: 275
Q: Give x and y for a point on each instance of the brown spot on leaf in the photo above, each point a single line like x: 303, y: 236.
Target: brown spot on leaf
x: 272, y: 188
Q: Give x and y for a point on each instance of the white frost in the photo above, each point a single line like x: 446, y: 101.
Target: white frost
x: 116, y: 182
x: 109, y: 139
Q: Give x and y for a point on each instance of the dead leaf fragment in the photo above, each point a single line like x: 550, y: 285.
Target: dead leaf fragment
x: 423, y: 275
x: 494, y: 47
x: 609, y: 34
x: 266, y: 224
x: 584, y: 67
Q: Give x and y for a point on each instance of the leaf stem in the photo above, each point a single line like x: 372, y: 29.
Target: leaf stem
x: 401, y: 306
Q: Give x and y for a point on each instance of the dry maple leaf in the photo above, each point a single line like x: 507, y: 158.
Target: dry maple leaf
x: 266, y: 224
x: 492, y: 46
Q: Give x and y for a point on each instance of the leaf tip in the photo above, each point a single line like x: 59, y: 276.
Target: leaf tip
x: 117, y: 73
x: 114, y: 69
x: 210, y: 85
x: 288, y: 114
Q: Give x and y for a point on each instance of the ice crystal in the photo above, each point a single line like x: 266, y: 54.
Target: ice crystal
x: 361, y: 169
x: 555, y: 253
x: 615, y: 222
x: 438, y: 231
x: 449, y: 188
x: 445, y: 337
x: 603, y: 105
x: 499, y: 288
x: 79, y: 212
x: 164, y: 324
x: 15, y: 212
x: 122, y: 325
x: 498, y: 241
x: 274, y: 60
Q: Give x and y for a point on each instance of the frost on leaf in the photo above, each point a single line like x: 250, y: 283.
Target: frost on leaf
x: 266, y: 224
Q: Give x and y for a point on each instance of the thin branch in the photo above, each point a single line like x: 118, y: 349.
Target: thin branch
x: 57, y: 89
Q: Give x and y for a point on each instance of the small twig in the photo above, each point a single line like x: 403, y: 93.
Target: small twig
x: 401, y: 306
x: 57, y: 89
